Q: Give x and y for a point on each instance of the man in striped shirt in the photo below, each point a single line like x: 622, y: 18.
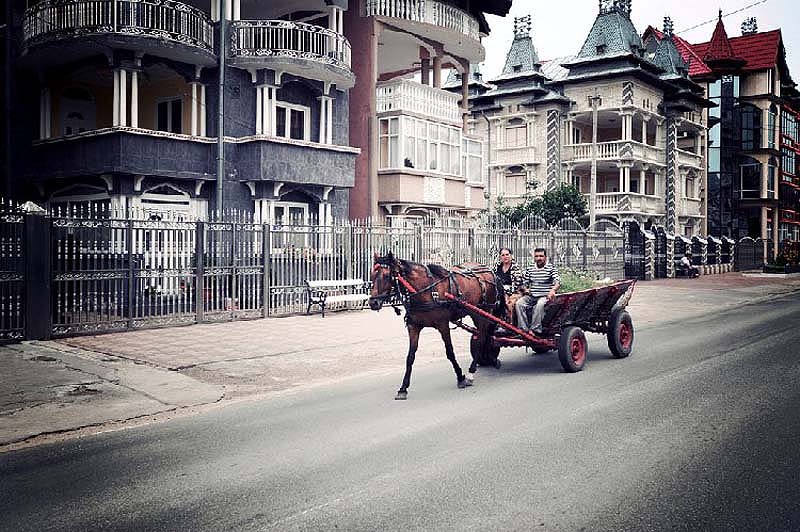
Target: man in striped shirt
x: 540, y: 283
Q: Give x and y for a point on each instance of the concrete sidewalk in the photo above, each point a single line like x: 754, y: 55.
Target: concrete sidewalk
x: 92, y: 383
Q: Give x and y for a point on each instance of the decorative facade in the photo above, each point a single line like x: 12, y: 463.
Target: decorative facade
x: 622, y: 124
x: 416, y: 156
x: 753, y: 188
x: 120, y: 101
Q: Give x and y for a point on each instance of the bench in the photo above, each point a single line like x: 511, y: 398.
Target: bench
x: 327, y: 291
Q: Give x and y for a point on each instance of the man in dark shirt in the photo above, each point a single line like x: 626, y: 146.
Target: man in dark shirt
x: 540, y: 283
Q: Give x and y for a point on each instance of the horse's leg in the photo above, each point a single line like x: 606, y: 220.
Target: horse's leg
x: 444, y: 330
x: 413, y: 342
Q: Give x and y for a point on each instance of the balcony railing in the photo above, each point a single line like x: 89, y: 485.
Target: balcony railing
x: 412, y: 97
x: 515, y: 155
x: 615, y: 202
x: 615, y: 150
x: 426, y: 11
x: 163, y: 19
x: 282, y: 38
x: 687, y: 158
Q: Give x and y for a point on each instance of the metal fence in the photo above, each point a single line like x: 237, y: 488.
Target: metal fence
x: 105, y: 273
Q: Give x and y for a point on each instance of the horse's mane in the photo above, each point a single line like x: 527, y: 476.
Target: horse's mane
x: 438, y: 271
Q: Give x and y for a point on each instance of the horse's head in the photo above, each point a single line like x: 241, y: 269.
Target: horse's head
x: 384, y: 276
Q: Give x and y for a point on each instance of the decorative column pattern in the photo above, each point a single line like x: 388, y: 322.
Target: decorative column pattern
x: 672, y: 139
x: 553, y: 149
x: 627, y: 93
x: 670, y: 255
x: 649, y: 255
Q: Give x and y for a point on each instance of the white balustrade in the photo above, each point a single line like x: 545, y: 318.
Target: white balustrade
x: 259, y: 38
x: 515, y: 155
x: 164, y: 19
x: 614, y: 202
x: 615, y: 150
x: 412, y: 97
x: 426, y: 11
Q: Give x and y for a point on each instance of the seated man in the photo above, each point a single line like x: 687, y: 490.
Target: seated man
x: 540, y: 283
x: 687, y: 267
x: 509, y: 275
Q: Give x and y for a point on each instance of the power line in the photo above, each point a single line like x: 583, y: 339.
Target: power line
x: 724, y: 15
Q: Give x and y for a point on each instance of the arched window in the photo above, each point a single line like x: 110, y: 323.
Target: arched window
x: 751, y: 127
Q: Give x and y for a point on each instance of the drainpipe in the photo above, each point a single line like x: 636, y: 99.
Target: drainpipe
x: 223, y: 49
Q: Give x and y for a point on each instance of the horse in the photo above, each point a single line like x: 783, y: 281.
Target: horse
x: 422, y: 290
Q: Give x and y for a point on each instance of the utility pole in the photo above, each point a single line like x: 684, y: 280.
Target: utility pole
x: 223, y: 50
x: 594, y: 101
x: 488, y: 165
x: 6, y: 190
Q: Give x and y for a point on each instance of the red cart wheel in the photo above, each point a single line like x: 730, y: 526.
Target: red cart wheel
x: 572, y: 349
x: 620, y: 334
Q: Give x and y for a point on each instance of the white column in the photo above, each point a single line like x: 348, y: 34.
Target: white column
x: 228, y: 10
x: 621, y: 179
x: 195, y: 105
x: 642, y: 182
x: 135, y: 98
x: 321, y: 214
x: 323, y: 119
x: 115, y: 104
x: 237, y: 9
x: 123, y: 97
x: 259, y: 110
x: 271, y: 111
x: 215, y: 10
x: 437, y: 72
x: 329, y: 123
x: 202, y: 110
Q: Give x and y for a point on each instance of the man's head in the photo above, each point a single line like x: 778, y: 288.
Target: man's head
x: 539, y: 257
x: 506, y: 255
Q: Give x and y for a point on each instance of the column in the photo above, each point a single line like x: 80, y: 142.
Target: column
x: 465, y: 99
x: 437, y: 72
x: 237, y: 9
x: 194, y: 107
x: 569, y: 131
x: 123, y: 97
x: 329, y: 123
x: 426, y: 71
x: 202, y: 110
x: 644, y: 130
x: 321, y: 214
x: 135, y: 98
x: 642, y: 182
x: 627, y: 129
x: 627, y: 174
x: 324, y: 102
x: 228, y: 9
x: 621, y: 178
x: 115, y: 99
x: 45, y: 114
x: 270, y: 94
x: 215, y: 10
x: 259, y: 110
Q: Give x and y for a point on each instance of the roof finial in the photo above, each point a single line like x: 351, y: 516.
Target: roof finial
x: 668, y: 27
x: 749, y: 26
x: 522, y: 26
x: 720, y: 13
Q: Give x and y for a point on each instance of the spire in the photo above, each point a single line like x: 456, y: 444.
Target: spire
x: 720, y: 52
x: 623, y: 7
x: 612, y: 32
x: 720, y: 47
x: 522, y: 56
x: 666, y: 56
x: 668, y: 27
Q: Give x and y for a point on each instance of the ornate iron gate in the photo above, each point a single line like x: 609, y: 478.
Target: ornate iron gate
x: 660, y: 252
x: 749, y: 254
x: 12, y: 272
x: 634, y: 250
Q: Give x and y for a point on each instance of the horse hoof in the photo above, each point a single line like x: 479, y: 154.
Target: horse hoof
x: 497, y: 363
x: 470, y: 377
x: 401, y: 396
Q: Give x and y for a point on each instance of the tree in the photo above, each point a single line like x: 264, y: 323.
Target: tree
x: 563, y: 202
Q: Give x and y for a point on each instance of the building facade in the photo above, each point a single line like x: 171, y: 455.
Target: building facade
x: 621, y: 123
x: 416, y: 156
x: 752, y: 186
x: 119, y: 107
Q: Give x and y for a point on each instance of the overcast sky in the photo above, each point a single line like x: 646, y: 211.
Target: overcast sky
x: 561, y: 26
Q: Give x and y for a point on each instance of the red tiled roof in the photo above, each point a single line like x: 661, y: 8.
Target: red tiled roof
x: 719, y: 48
x: 760, y: 50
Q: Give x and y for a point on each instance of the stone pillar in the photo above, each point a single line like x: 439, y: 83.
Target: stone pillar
x: 325, y: 120
x: 670, y: 199
x: 626, y: 172
x: 465, y: 99
x: 237, y: 9
x: 645, y: 120
x: 621, y: 177
x: 259, y: 110
x: 115, y: 99
x: 123, y: 97
x: 437, y: 72
x: 193, y: 128
x: 135, y: 98
x: 202, y: 110
x: 642, y: 181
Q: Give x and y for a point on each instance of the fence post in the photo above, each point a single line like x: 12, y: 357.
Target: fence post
x: 38, y: 322
x: 266, y: 259
x: 472, y: 247
x: 585, y: 251
x: 418, y: 243
x: 200, y: 270
x: 131, y: 271
x: 348, y: 249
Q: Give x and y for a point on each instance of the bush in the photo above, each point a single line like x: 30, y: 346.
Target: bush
x: 575, y: 281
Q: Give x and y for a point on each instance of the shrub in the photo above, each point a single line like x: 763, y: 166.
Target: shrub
x: 575, y: 280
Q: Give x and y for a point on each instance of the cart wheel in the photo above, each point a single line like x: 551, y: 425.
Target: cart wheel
x: 620, y: 334
x: 572, y: 349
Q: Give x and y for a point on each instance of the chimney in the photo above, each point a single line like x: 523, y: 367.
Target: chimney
x: 749, y: 26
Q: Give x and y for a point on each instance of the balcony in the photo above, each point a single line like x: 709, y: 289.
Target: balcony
x: 514, y: 156
x: 124, y: 150
x: 617, y: 150
x: 406, y: 96
x: 433, y: 20
x: 689, y: 159
x: 297, y: 48
x: 616, y: 203
x: 147, y: 26
x: 690, y: 207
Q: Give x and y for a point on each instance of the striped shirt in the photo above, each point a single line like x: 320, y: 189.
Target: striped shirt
x: 539, y: 281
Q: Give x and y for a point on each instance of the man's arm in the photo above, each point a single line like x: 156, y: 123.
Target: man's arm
x: 556, y: 285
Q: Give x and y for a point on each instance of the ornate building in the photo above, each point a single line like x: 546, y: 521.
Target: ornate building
x: 753, y: 186
x: 416, y: 157
x: 118, y: 106
x: 624, y: 126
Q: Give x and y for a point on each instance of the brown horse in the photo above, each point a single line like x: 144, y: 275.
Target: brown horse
x: 425, y: 291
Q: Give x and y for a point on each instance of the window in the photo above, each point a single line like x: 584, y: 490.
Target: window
x: 750, y: 183
x: 516, y: 135
x: 292, y: 121
x: 751, y: 127
x: 789, y: 125
x: 169, y: 114
x: 788, y: 162
x: 389, y: 143
x: 714, y: 148
x: 772, y: 115
x: 472, y: 160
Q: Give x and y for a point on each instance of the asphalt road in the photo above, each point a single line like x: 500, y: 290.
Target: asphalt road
x: 697, y: 430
